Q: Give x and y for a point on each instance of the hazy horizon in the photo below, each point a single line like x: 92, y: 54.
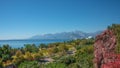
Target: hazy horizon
x: 28, y: 37
x: 25, y: 18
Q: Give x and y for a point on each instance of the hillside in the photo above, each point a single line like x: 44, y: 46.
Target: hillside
x: 107, y: 48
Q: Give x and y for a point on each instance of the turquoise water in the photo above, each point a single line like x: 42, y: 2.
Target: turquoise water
x: 21, y: 43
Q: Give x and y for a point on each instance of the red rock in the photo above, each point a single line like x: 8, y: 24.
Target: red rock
x: 104, y: 51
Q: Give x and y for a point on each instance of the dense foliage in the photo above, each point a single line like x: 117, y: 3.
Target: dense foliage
x: 116, y: 29
x: 71, y: 54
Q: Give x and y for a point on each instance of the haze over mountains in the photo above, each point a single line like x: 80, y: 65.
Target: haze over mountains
x: 67, y: 35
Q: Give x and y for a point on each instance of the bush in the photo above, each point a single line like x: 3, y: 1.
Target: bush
x: 55, y: 65
x: 29, y: 64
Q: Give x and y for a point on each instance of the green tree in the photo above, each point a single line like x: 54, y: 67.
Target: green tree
x: 18, y: 57
x: 31, y: 48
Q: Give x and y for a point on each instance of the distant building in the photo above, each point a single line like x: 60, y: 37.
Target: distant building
x: 89, y: 37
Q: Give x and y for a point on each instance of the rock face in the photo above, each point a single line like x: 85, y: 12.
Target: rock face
x: 104, y: 50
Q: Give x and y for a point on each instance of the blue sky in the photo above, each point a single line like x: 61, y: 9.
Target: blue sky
x: 26, y: 18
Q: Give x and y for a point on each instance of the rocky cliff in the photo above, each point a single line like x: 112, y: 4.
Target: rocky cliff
x: 104, y: 51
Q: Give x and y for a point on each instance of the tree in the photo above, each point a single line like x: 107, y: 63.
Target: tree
x: 31, y: 48
x: 42, y: 45
x: 5, y: 52
x: 18, y: 57
x: 28, y: 56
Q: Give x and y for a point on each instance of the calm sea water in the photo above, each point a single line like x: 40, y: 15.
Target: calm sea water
x: 21, y: 43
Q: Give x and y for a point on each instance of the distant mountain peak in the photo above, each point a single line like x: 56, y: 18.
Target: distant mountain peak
x: 67, y: 35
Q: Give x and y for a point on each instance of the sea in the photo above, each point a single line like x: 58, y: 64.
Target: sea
x: 21, y: 43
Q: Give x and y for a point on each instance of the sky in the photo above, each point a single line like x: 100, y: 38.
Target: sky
x: 21, y: 19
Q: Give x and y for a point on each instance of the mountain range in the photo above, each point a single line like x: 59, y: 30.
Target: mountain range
x: 67, y: 35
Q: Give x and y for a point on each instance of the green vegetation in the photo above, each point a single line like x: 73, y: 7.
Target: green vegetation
x: 71, y: 54
x: 116, y: 29
x: 30, y: 64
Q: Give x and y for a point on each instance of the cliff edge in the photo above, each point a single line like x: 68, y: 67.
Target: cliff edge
x: 105, y: 55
